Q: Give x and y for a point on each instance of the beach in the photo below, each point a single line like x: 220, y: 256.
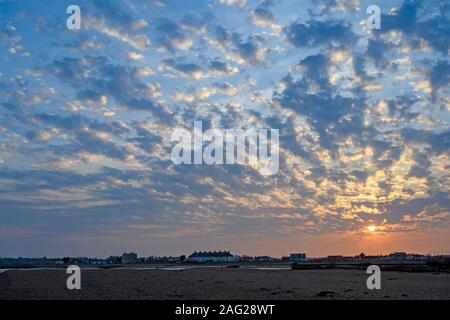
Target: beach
x: 215, y: 282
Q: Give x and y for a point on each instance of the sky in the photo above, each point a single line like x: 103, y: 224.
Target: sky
x: 86, y: 118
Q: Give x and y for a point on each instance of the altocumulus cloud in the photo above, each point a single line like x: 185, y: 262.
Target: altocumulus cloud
x: 87, y: 117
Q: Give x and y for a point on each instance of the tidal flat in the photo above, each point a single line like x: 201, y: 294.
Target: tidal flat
x: 221, y: 283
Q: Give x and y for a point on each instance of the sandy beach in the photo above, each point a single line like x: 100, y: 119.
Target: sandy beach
x: 221, y: 283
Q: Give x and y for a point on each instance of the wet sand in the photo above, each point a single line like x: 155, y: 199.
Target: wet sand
x: 222, y: 283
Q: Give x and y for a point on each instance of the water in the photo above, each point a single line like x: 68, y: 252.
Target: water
x: 41, y: 268
x: 153, y: 268
x: 175, y: 268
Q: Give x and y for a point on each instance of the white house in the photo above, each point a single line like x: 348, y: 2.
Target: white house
x: 129, y: 258
x: 297, y: 257
x: 211, y: 256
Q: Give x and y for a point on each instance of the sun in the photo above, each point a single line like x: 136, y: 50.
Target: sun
x: 372, y: 228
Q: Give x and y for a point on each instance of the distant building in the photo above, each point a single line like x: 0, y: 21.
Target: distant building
x: 398, y: 256
x: 362, y: 256
x: 211, y: 256
x: 416, y: 257
x: 113, y: 260
x: 264, y: 258
x: 129, y: 258
x: 297, y: 257
x: 244, y: 258
x: 441, y: 258
x: 335, y: 258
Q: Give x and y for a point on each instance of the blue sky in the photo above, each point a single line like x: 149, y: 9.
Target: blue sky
x: 86, y: 117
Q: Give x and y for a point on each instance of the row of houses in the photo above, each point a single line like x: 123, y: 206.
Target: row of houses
x: 226, y: 256
x: 210, y: 257
x: 132, y: 258
x: 196, y: 257
x: 395, y: 256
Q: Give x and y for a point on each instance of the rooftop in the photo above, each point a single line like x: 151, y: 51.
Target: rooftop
x: 211, y: 254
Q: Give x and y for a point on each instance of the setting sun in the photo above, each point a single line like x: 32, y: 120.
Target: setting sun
x: 371, y: 228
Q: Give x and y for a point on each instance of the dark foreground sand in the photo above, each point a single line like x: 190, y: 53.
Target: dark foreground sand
x: 222, y: 283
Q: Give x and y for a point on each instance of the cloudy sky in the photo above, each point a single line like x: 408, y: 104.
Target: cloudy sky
x: 86, y: 117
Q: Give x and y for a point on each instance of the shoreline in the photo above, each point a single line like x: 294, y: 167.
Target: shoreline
x: 405, y: 266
